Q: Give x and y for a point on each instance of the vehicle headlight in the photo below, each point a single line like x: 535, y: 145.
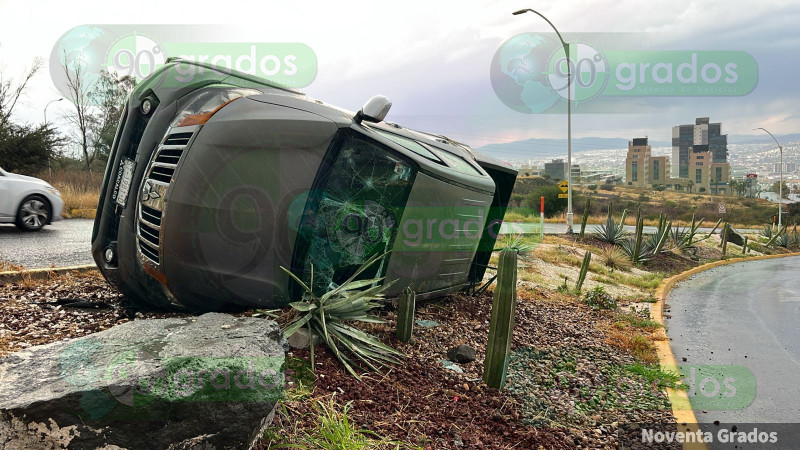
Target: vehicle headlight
x: 206, y: 102
x: 53, y: 191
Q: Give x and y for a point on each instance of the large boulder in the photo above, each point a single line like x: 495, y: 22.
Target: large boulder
x: 205, y: 382
x: 734, y: 237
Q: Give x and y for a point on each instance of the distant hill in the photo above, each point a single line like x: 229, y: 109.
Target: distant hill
x: 543, y: 148
x: 535, y: 148
x: 763, y: 138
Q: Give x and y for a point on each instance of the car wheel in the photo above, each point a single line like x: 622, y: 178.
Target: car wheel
x: 33, y: 213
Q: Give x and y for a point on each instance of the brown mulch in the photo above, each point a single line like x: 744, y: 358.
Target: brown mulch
x: 30, y: 313
x: 419, y: 402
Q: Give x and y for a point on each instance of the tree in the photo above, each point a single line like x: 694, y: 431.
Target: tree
x: 26, y: 149
x: 552, y: 204
x: 776, y: 187
x: 82, y: 119
x: 109, y: 95
x: 97, y: 107
x: 23, y: 148
x: 11, y: 92
x: 517, y: 199
x: 690, y: 185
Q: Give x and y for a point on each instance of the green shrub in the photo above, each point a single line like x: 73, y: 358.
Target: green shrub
x: 598, y: 298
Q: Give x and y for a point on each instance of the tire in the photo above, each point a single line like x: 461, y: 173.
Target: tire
x: 34, y: 212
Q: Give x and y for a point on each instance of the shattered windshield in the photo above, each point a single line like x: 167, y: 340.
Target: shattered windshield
x: 354, y: 214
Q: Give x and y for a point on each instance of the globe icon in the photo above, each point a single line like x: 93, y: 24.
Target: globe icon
x: 84, y: 48
x: 519, y: 73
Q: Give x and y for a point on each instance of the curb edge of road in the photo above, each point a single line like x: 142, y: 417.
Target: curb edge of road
x: 38, y: 274
x: 681, y: 408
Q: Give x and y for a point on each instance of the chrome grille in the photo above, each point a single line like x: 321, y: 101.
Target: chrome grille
x: 154, y: 188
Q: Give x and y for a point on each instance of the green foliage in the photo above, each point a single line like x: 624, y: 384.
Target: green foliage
x: 405, y: 315
x: 657, y: 241
x: 775, y: 236
x: 552, y: 204
x: 767, y: 231
x: 584, y: 218
x: 501, y: 325
x: 615, y: 258
x: 26, y: 149
x: 611, y: 232
x: 587, y: 258
x: 655, y: 376
x: 326, y: 316
x: 592, y: 187
x: 333, y: 430
x: 516, y: 242
x: 598, y: 298
x: 638, y: 322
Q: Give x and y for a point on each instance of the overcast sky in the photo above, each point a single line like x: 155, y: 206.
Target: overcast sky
x: 432, y: 58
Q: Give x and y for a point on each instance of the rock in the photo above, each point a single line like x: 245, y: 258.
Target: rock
x: 299, y: 339
x: 734, y: 237
x: 450, y: 366
x: 461, y: 354
x: 427, y: 323
x: 161, y: 383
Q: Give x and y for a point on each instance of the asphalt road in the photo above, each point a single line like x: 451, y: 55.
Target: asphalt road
x: 60, y: 244
x: 67, y: 242
x: 744, y: 315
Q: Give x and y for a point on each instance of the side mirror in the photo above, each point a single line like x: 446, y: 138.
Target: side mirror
x: 374, y: 110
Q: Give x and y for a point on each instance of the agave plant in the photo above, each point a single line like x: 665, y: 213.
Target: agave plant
x: 638, y: 253
x: 615, y: 258
x: 658, y: 240
x: 517, y: 243
x: 783, y: 240
x: 611, y: 232
x: 767, y: 231
x: 327, y: 316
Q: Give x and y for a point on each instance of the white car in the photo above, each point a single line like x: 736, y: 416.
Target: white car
x: 28, y: 202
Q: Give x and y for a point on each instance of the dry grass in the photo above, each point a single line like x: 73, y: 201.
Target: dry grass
x: 9, y: 267
x: 80, y: 191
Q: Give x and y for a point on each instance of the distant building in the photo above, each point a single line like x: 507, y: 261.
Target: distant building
x: 557, y: 169
x: 700, y: 157
x: 642, y: 169
x: 751, y: 185
x: 788, y: 167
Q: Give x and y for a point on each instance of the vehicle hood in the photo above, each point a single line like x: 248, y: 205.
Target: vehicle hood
x: 28, y: 179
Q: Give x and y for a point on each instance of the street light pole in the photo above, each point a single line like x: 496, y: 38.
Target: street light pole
x: 48, y: 104
x: 569, y: 115
x: 780, y: 171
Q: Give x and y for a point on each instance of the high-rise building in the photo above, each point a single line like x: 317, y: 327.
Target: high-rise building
x: 642, y: 169
x: 700, y: 152
x: 700, y: 137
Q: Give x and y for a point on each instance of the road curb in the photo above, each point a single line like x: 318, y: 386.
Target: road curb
x: 13, y: 276
x: 681, y: 408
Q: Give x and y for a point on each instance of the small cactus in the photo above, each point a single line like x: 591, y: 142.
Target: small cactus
x: 587, y: 258
x: 725, y: 230
x: 501, y: 326
x: 584, y: 218
x: 405, y: 315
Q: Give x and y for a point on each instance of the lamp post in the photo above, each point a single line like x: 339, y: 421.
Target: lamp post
x: 569, y: 115
x: 780, y: 183
x: 48, y: 104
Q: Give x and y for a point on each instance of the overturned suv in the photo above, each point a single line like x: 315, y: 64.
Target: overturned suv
x: 216, y: 183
